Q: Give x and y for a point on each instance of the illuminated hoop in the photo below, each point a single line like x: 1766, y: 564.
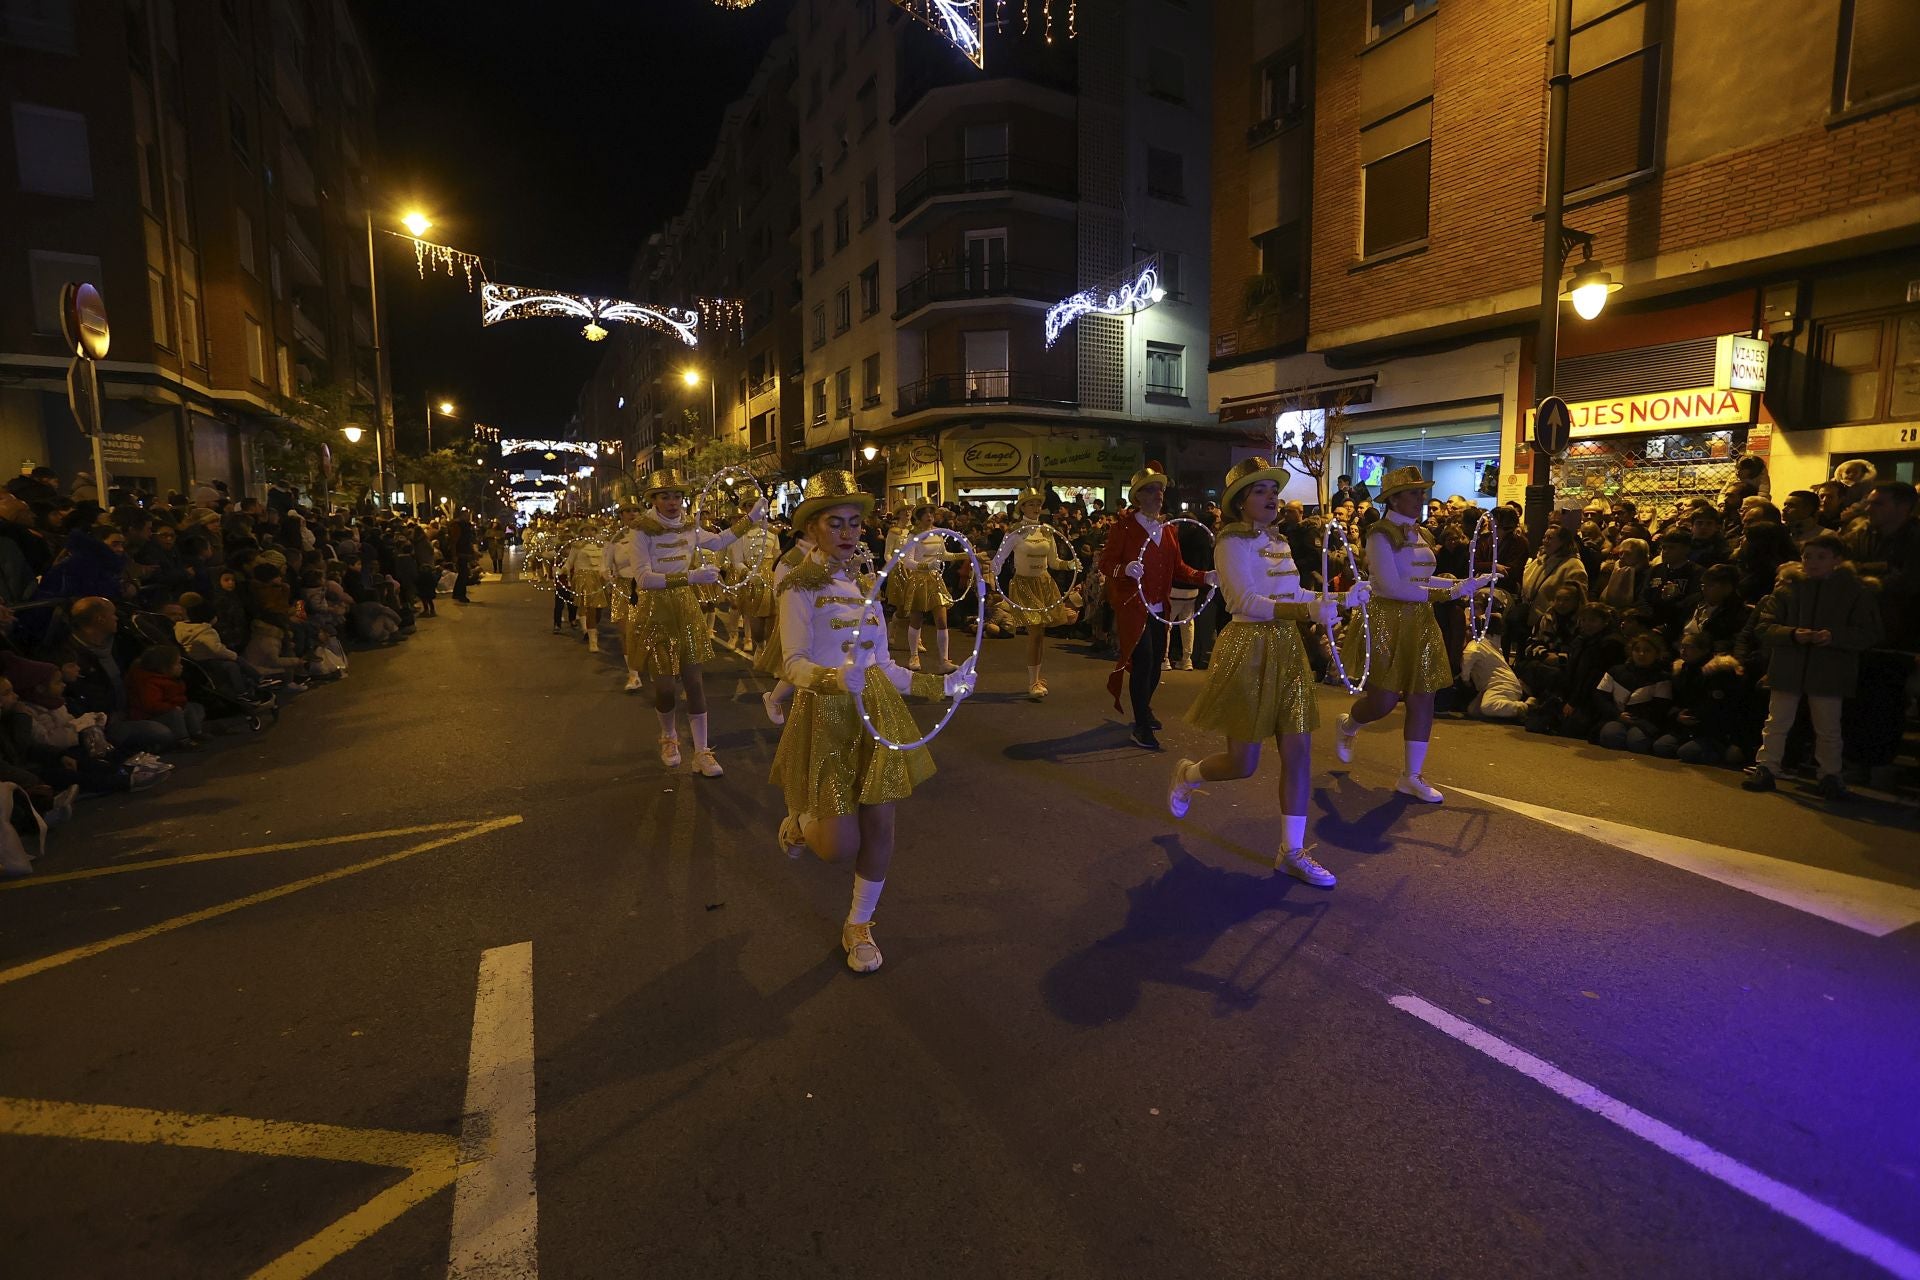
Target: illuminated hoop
x: 1366, y: 621
x: 1477, y: 626
x: 1029, y: 614
x: 871, y: 604
x: 1139, y: 589
x: 760, y: 573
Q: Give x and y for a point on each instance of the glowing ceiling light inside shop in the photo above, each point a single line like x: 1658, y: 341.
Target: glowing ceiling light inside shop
x: 502, y: 302
x: 1140, y: 290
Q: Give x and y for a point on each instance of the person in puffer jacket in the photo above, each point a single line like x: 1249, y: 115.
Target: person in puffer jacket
x: 1635, y: 696
x: 1708, y: 723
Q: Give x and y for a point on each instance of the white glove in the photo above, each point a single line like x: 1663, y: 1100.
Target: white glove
x: 1136, y: 570
x: 853, y: 676
x: 1357, y: 595
x: 1212, y: 578
x: 703, y: 577
x: 960, y: 683
x: 1156, y: 609
x: 653, y: 581
x: 759, y: 513
x: 1326, y: 612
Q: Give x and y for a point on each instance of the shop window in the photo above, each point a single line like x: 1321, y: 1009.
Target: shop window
x: 1870, y: 369
x: 51, y: 146
x: 1166, y: 369
x: 1614, y: 98
x: 1879, y: 52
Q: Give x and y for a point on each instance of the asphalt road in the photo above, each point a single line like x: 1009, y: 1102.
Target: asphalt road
x: 1104, y: 1043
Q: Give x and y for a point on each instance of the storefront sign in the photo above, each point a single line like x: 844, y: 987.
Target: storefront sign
x: 1079, y: 458
x: 1272, y: 405
x: 123, y: 447
x: 1662, y: 411
x: 989, y: 459
x: 917, y: 460
x: 1740, y: 363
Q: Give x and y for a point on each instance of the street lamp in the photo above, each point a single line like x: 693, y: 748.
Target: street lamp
x: 445, y: 410
x: 416, y: 223
x: 353, y: 435
x: 1590, y: 285
x: 869, y: 451
x: 691, y: 377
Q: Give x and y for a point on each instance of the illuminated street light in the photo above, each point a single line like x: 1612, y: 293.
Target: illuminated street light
x: 353, y: 434
x: 690, y: 376
x: 869, y: 452
x: 446, y: 408
x: 417, y: 224
x: 1589, y: 287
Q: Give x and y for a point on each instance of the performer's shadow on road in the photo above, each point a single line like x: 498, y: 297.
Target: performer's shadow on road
x: 1108, y: 739
x: 1173, y: 921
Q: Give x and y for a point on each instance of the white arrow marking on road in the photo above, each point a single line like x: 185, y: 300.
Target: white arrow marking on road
x: 495, y: 1210
x: 1858, y: 902
x: 1823, y: 1220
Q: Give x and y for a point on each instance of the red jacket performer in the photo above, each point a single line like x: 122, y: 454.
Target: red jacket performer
x: 1138, y: 585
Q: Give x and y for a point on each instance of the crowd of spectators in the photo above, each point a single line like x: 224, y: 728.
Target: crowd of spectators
x: 131, y: 629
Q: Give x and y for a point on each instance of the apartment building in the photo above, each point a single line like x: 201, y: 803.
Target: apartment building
x: 946, y: 208
x: 204, y: 163
x: 733, y: 254
x: 1749, y: 172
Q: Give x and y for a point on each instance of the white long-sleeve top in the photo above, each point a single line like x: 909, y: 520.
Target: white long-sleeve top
x: 587, y: 556
x: 1258, y: 579
x: 820, y: 606
x: 1400, y: 563
x: 795, y: 556
x: 617, y: 557
x: 927, y: 552
x: 752, y: 552
x: 1032, y: 549
x: 663, y: 554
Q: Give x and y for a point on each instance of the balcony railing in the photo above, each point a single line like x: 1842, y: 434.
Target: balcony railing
x: 997, y: 280
x: 763, y: 387
x: 296, y: 175
x: 304, y: 255
x: 988, y: 386
x: 309, y: 332
x: 984, y: 175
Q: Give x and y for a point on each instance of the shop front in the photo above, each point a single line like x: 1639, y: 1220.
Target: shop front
x: 1460, y: 455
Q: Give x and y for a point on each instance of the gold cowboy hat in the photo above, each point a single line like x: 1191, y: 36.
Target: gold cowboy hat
x: 831, y: 489
x: 1147, y: 475
x: 1250, y: 472
x: 1029, y: 494
x: 665, y: 481
x: 1399, y: 480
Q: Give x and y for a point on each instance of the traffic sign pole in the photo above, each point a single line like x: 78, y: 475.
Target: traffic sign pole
x: 99, y: 429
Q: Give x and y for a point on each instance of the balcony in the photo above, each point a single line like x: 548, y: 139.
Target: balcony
x: 306, y: 258
x: 1019, y: 181
x: 290, y: 82
x: 296, y: 175
x: 989, y: 386
x: 309, y: 332
x: 971, y: 284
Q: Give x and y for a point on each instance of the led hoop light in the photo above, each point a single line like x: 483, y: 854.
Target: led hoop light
x: 1477, y: 627
x: 1029, y: 613
x: 1140, y: 590
x: 872, y: 602
x: 1366, y: 621
x: 759, y: 573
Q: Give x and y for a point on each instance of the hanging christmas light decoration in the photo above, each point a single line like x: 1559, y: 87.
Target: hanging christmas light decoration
x: 736, y: 4
x: 501, y: 302
x: 446, y: 258
x: 1136, y: 291
x: 962, y: 22
x: 722, y: 313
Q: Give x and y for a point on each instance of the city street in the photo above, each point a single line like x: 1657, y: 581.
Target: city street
x: 1596, y: 1015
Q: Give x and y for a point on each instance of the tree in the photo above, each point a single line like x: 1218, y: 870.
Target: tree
x: 1305, y: 432
x: 458, y: 472
x: 305, y: 446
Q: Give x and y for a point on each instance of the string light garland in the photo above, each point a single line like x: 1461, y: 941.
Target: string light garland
x: 503, y: 302
x: 1477, y: 627
x: 730, y: 475
x: 1139, y: 582
x: 871, y: 617
x: 1036, y: 614
x: 723, y: 313
x: 1138, y: 290
x: 1366, y: 620
x: 446, y: 258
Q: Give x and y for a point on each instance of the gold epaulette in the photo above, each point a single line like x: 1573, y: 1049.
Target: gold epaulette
x: 1399, y: 536
x: 1240, y: 529
x: 649, y: 524
x: 808, y: 576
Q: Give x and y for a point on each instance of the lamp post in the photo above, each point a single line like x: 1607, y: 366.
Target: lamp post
x: 353, y: 435
x: 416, y: 223
x: 445, y: 410
x: 691, y: 377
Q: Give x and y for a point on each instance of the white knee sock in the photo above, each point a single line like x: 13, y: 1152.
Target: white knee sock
x: 1416, y: 757
x: 1293, y: 832
x: 913, y: 644
x: 782, y: 691
x: 866, y: 896
x: 1033, y: 675
x: 699, y: 723
x: 1348, y: 726
x: 668, y: 729
x: 940, y: 639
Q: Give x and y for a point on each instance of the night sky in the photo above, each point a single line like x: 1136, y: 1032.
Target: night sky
x: 553, y: 137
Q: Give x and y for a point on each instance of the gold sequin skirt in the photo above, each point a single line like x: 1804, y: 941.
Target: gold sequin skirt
x: 1033, y: 599
x: 1409, y: 651
x: 755, y: 601
x: 828, y: 765
x: 1259, y: 684
x: 770, y: 658
x: 669, y: 631
x: 920, y: 591
x: 589, y: 588
x: 621, y: 605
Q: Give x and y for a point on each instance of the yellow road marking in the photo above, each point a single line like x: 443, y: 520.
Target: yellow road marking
x: 105, y: 1122
x: 59, y: 958
x: 29, y: 882
x: 338, y: 1237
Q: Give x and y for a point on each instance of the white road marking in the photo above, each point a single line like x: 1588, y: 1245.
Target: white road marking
x: 1823, y: 1220
x: 495, y: 1210
x: 1858, y: 902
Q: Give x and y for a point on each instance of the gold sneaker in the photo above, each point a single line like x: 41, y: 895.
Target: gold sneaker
x: 670, y: 752
x: 863, y: 956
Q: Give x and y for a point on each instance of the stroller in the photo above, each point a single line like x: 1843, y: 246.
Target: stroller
x: 157, y: 628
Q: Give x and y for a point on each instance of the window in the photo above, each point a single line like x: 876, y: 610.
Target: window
x: 1869, y: 369
x: 159, y: 309
x: 240, y: 132
x: 843, y: 394
x: 813, y: 93
x: 865, y: 19
x: 985, y: 354
x: 1166, y: 74
x: 190, y: 328
x: 256, y: 351
x: 243, y: 240
x: 1395, y: 157
x: 48, y: 273
x: 818, y: 168
x: 842, y: 227
x: 1166, y: 369
x: 870, y: 290
x: 839, y: 63
x: 38, y: 24
x: 817, y: 243
x: 1169, y: 273
x: 1384, y: 16
x: 866, y: 104
x: 52, y: 150
x: 985, y: 261
x: 870, y: 381
x: 820, y: 325
x: 1278, y: 257
x: 1279, y: 89
x: 984, y: 147
x: 1879, y: 52
x: 283, y: 365
x: 230, y: 14
x: 1165, y: 174
x: 1614, y: 97
x: 819, y: 402
x: 842, y: 310
x: 870, y: 199
x: 273, y: 271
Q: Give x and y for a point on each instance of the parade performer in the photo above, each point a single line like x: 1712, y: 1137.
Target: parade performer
x: 672, y: 635
x: 1259, y: 683
x: 1137, y: 586
x: 618, y: 558
x: 918, y: 588
x: 751, y: 560
x: 840, y: 785
x: 1409, y: 660
x: 771, y: 661
x: 586, y: 574
x: 1033, y: 592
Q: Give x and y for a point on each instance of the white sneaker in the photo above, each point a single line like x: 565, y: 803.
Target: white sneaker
x: 670, y: 752
x: 863, y: 956
x: 913, y: 663
x: 1300, y: 864
x: 1185, y: 664
x: 1036, y: 691
x: 793, y: 841
x: 942, y: 667
x: 1344, y: 732
x: 1180, y: 792
x: 1412, y: 784
x: 706, y: 766
x: 633, y: 681
x: 593, y: 642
